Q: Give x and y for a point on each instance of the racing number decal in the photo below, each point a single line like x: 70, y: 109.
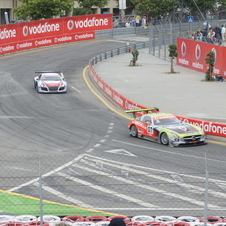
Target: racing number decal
x: 150, y: 129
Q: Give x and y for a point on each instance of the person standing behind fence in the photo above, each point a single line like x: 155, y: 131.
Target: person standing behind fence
x: 213, y: 33
x: 204, y: 35
x: 138, y: 20
x: 209, y: 36
x: 223, y: 32
x: 217, y: 35
x: 144, y: 22
x: 199, y: 35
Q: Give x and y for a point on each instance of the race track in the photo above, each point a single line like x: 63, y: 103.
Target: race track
x: 111, y: 171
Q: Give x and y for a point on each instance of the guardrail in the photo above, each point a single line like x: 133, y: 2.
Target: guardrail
x: 118, y: 51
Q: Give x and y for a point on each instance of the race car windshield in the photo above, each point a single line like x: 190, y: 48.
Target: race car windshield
x: 51, y: 78
x: 166, y: 121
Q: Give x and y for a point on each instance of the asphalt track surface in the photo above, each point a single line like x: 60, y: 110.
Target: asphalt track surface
x: 87, y: 156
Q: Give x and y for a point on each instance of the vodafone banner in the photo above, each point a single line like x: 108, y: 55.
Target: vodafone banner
x: 21, y: 36
x: 192, y: 54
x: 120, y: 100
x: 211, y: 128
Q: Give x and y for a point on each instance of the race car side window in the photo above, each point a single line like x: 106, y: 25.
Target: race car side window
x: 147, y: 119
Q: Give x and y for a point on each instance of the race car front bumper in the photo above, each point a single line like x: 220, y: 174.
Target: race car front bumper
x: 53, y: 89
x: 191, y: 140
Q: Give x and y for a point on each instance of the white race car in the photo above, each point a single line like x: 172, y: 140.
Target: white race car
x: 50, y: 82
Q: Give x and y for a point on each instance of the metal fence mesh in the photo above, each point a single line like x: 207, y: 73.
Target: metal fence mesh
x: 89, y: 185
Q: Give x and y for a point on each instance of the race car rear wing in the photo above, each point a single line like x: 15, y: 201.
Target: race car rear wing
x: 52, y: 71
x: 146, y: 110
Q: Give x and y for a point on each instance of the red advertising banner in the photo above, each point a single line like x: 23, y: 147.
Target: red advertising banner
x: 87, y: 23
x: 183, y: 58
x: 223, y: 65
x: 197, y: 56
x: 120, y: 100
x: 211, y: 128
x: 16, y: 37
x: 192, y: 54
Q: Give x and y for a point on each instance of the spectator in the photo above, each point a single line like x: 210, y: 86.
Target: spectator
x: 117, y: 222
x: 132, y: 21
x: 217, y: 36
x: 138, y: 20
x: 223, y: 32
x: 219, y: 78
x: 220, y: 30
x: 127, y: 24
x: 62, y: 224
x: 204, y: 35
x: 209, y: 36
x: 212, y: 35
x: 144, y: 22
x: 116, y: 23
x: 199, y: 35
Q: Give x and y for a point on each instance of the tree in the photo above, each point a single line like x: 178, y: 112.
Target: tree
x: 154, y: 7
x: 88, y: 4
x: 172, y: 54
x: 204, y: 5
x: 210, y: 60
x: 42, y: 9
x: 81, y: 11
x: 135, y: 54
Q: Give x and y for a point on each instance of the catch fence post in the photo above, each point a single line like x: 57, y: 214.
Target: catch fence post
x: 40, y: 193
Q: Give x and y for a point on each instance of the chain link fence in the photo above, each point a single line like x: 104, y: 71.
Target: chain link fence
x: 160, y: 36
x: 88, y: 185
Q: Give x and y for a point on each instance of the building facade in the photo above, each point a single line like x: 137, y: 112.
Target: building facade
x: 6, y: 9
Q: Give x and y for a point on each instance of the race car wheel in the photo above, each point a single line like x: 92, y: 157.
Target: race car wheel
x: 37, y: 89
x: 164, y: 139
x: 133, y: 131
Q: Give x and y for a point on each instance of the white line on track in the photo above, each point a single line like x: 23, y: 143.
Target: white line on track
x: 48, y: 174
x: 76, y: 89
x: 65, y: 197
x: 157, y: 170
x: 169, y: 152
x: 105, y: 190
x: 148, y: 187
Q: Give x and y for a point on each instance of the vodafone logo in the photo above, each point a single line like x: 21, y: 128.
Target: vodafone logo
x: 40, y: 29
x: 197, y: 52
x: 183, y: 49
x: 25, y: 31
x: 70, y: 24
x: 86, y: 23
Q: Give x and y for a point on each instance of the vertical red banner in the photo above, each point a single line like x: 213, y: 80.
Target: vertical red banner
x: 184, y: 52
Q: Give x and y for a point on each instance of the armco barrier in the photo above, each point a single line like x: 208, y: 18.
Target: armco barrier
x: 211, y: 128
